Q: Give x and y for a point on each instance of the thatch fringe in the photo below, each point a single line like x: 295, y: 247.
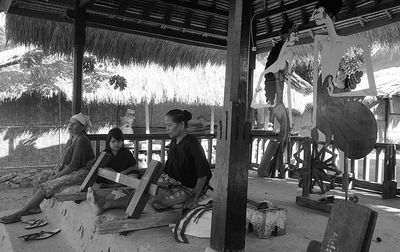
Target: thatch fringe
x: 56, y: 38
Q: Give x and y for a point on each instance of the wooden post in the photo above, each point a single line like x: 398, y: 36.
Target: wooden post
x: 212, y: 120
x: 228, y: 227
x: 79, y: 49
x: 147, y: 115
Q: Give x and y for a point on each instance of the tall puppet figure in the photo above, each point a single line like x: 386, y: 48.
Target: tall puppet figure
x: 337, y: 113
x: 277, y: 66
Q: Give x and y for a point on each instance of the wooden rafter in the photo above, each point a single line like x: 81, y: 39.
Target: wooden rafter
x: 304, y: 17
x: 210, y: 21
x: 197, y: 7
x: 169, y: 14
x: 285, y: 8
x: 87, y: 3
x: 268, y: 25
x: 350, y: 5
x: 148, y: 10
x: 157, y: 21
x: 124, y: 5
x: 129, y: 27
x: 357, y: 12
x: 188, y: 19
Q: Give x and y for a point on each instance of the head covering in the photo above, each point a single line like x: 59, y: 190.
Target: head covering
x: 83, y: 119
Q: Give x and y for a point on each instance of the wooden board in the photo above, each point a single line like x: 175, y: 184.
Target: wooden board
x: 140, y: 198
x: 160, y: 219
x: 81, y: 196
x: 350, y: 228
x: 92, y: 175
x: 313, y: 204
x: 125, y: 180
x: 268, y: 160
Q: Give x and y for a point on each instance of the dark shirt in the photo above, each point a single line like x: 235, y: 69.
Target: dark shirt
x: 187, y: 161
x: 123, y: 160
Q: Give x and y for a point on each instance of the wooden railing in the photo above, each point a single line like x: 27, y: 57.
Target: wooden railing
x: 154, y: 145
x: 377, y: 171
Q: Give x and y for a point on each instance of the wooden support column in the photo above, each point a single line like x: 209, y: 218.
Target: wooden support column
x: 79, y: 49
x: 230, y: 197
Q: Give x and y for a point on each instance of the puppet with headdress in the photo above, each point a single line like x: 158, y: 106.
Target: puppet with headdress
x: 339, y: 115
x: 277, y: 67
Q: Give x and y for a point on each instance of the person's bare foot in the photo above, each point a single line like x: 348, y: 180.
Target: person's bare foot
x: 95, y: 201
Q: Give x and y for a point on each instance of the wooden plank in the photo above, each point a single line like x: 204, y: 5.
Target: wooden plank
x: 125, y: 180
x: 350, y: 228
x: 230, y: 195
x: 81, y: 196
x: 97, y: 147
x: 149, y: 151
x: 146, y: 221
x: 136, y: 144
x: 307, y: 167
x: 140, y: 198
x: 162, y: 155
x: 308, y: 202
x: 209, y: 151
x: 92, y: 175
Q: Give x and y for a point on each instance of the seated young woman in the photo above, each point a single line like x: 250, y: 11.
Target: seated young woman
x: 121, y: 159
x: 186, y: 172
x: 72, y: 168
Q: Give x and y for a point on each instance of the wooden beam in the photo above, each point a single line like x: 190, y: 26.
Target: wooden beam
x: 148, y: 10
x: 141, y: 196
x: 169, y: 15
x: 124, y: 5
x: 198, y: 8
x: 81, y: 196
x: 147, y: 220
x: 91, y: 177
x: 125, y: 180
x: 230, y: 195
x: 188, y: 19
x: 304, y: 17
x: 358, y: 12
x: 87, y: 3
x: 285, y: 18
x: 156, y: 32
x: 268, y: 25
x: 210, y: 21
x: 79, y: 50
x: 285, y: 8
x: 350, y: 5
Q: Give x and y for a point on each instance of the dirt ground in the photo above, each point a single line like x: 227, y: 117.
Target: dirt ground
x: 14, y: 198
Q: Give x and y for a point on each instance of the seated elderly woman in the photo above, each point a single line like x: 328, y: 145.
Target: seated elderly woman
x: 72, y: 169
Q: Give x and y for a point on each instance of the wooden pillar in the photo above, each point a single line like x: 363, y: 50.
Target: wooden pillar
x: 147, y: 116
x: 230, y: 195
x: 212, y: 121
x: 79, y: 49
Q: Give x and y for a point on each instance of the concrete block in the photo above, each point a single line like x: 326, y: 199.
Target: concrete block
x: 267, y: 222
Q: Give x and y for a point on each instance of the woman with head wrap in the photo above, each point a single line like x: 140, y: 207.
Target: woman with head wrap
x: 72, y: 168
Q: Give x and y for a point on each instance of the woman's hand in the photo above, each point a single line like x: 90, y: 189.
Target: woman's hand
x: 191, y: 202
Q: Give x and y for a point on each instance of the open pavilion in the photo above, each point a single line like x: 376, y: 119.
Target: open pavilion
x: 239, y: 27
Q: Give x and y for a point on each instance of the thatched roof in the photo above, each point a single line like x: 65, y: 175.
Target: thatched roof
x: 57, y: 38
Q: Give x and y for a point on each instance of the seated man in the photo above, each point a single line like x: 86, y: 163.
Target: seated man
x: 187, y: 171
